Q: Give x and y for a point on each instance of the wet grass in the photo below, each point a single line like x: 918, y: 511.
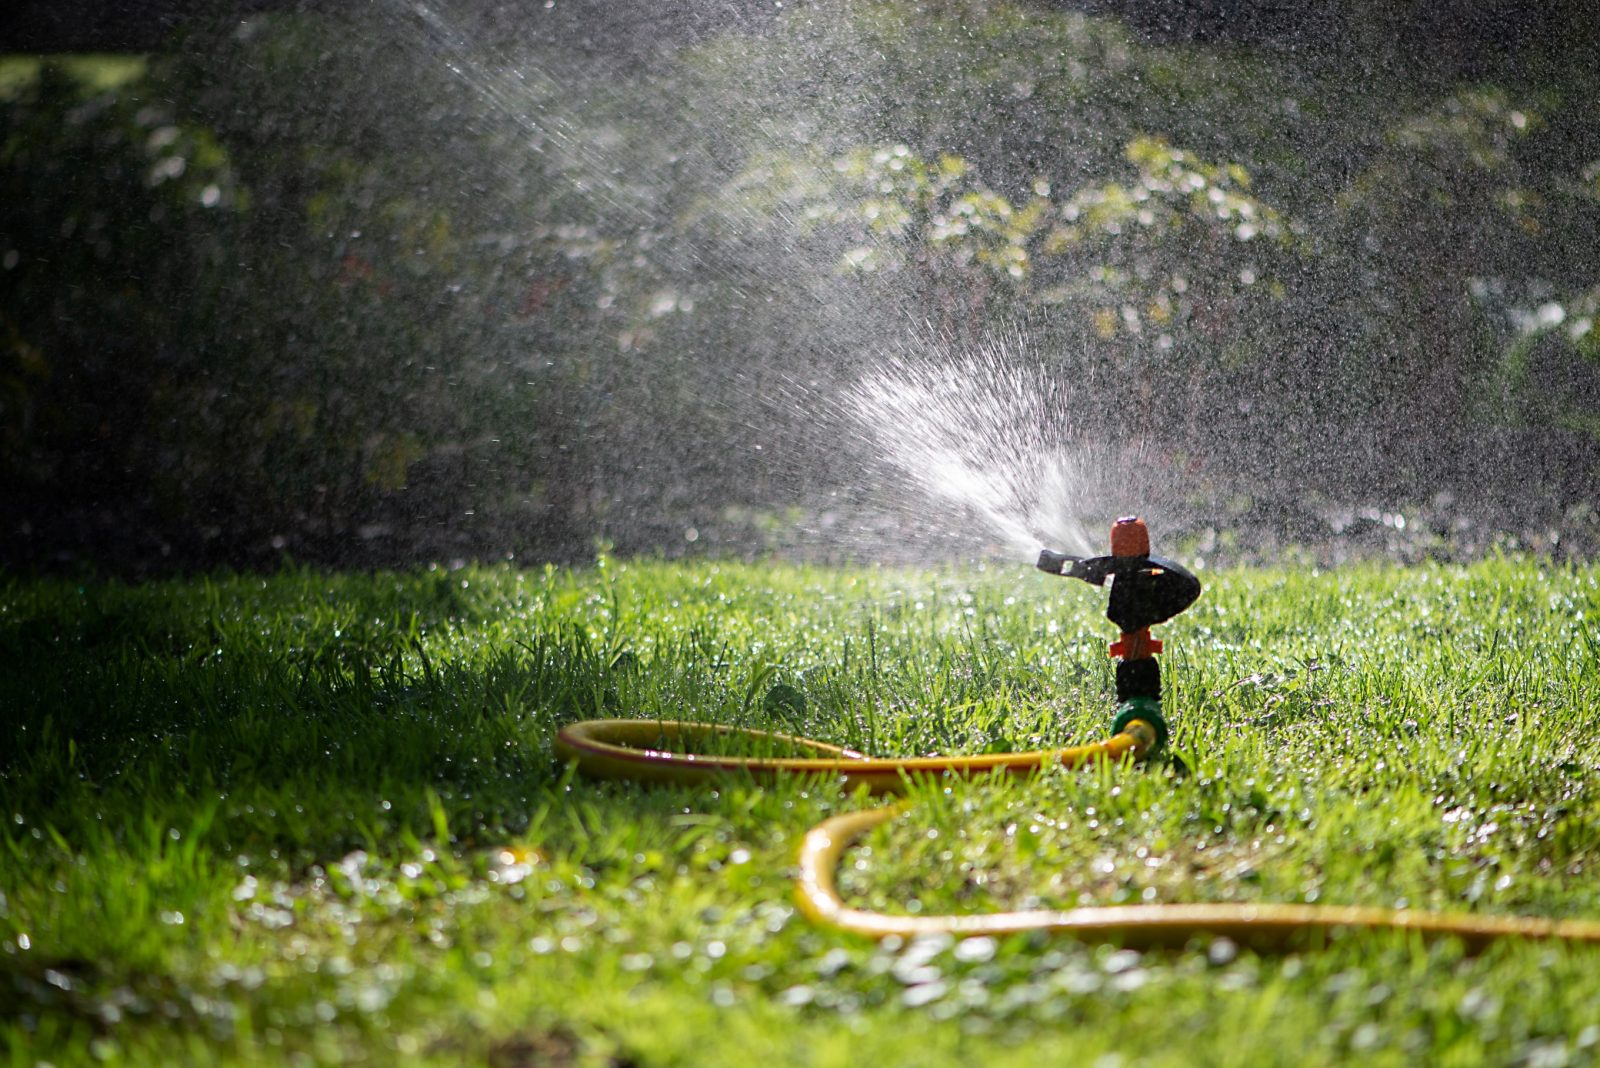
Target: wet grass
x: 316, y: 818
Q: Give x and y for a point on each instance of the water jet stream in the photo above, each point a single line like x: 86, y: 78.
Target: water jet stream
x: 980, y: 431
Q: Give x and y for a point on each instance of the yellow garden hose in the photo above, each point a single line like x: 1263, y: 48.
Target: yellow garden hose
x: 632, y: 749
x: 1264, y: 926
x: 635, y: 750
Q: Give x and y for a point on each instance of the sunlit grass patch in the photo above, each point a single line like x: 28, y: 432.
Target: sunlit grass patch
x: 251, y: 818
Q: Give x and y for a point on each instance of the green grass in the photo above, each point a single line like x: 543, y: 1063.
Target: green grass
x: 316, y: 818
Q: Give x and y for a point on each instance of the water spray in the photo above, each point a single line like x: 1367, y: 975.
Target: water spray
x: 1146, y: 591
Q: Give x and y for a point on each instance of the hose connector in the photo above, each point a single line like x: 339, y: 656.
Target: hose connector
x: 1146, y: 710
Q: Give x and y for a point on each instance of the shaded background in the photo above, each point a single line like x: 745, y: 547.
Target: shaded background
x: 370, y: 284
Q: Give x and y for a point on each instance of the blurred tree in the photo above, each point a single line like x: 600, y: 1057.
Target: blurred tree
x: 111, y: 209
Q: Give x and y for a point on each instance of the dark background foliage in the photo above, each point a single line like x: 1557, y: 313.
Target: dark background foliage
x: 363, y: 285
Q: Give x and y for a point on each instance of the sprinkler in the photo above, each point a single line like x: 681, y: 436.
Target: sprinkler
x: 1146, y: 591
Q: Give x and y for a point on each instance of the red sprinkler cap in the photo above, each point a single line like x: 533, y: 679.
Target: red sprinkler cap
x: 1130, y: 537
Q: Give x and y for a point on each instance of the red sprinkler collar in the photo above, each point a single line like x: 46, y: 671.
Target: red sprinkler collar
x: 1136, y: 646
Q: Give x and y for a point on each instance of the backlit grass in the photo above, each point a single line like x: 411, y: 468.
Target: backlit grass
x: 317, y: 817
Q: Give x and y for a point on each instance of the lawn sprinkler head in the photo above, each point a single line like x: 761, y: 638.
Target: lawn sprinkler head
x: 1145, y: 591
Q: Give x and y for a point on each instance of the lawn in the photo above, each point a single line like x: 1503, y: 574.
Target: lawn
x: 316, y: 818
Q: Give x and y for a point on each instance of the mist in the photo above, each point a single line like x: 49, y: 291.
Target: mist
x: 373, y: 284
